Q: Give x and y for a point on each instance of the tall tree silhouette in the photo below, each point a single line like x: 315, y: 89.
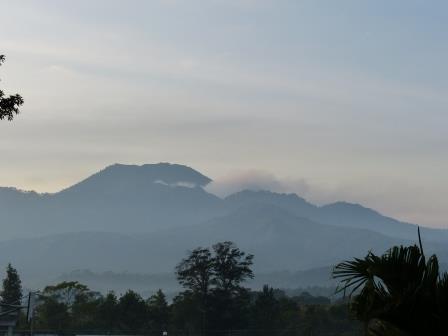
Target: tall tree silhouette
x: 213, y: 281
x: 159, y: 311
x: 9, y: 105
x: 108, y: 314
x: 12, y: 287
x: 231, y: 267
x: 133, y: 312
x: 195, y: 274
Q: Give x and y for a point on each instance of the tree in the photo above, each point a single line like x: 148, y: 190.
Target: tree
x: 187, y: 314
x: 132, y: 312
x: 231, y: 267
x: 159, y: 311
x: 9, y: 105
x: 71, y: 303
x: 195, y: 274
x: 84, y: 310
x: 67, y: 291
x: 12, y: 287
x: 230, y: 304
x: 107, y: 313
x: 213, y: 284
x: 52, y: 315
x: 266, y: 310
x: 398, y: 293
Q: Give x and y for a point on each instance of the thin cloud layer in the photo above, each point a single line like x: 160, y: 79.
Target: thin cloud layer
x: 255, y: 180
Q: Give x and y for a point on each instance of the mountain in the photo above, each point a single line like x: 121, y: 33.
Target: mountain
x: 151, y: 197
x: 290, y: 202
x: 278, y: 239
x: 341, y: 214
x: 318, y: 276
x: 131, y: 178
x: 355, y: 215
x: 143, y: 219
x: 120, y: 198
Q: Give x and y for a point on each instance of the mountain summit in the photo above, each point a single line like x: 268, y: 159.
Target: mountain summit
x: 120, y: 176
x: 119, y: 198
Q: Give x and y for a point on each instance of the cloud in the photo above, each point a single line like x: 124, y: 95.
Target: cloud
x: 255, y: 180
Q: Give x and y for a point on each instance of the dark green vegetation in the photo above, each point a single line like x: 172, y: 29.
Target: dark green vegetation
x: 258, y: 313
x: 398, y: 293
x: 9, y: 105
x: 214, y: 302
x: 12, y: 287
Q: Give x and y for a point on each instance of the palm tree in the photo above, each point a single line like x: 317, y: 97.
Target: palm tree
x: 398, y: 293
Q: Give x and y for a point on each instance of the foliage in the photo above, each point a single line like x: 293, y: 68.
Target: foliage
x: 186, y: 313
x: 231, y: 267
x: 107, y: 317
x: 400, y: 289
x: 66, y: 292
x: 132, y: 311
x: 52, y: 315
x: 159, y: 311
x: 196, y: 271
x: 212, y: 280
x: 84, y: 310
x: 12, y: 287
x: 266, y: 313
x: 195, y: 274
x: 9, y: 105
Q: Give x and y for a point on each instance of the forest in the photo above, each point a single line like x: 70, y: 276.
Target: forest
x: 214, y: 302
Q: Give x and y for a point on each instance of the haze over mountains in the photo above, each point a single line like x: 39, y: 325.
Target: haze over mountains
x: 143, y: 219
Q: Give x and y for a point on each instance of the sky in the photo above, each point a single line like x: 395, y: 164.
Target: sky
x: 334, y: 100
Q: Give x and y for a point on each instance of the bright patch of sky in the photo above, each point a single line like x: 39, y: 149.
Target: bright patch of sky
x: 336, y: 100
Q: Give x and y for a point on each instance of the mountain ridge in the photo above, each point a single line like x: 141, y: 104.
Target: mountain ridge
x: 279, y: 240
x: 151, y: 197
x: 145, y: 218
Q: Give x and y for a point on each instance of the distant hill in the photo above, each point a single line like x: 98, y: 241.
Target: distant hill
x: 279, y: 240
x: 143, y: 219
x: 340, y: 214
x: 290, y: 202
x: 148, y: 283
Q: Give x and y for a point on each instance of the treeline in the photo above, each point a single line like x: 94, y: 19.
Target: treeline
x: 267, y: 311
x: 213, y: 301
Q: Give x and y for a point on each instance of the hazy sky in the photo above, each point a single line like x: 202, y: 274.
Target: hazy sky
x: 330, y: 99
